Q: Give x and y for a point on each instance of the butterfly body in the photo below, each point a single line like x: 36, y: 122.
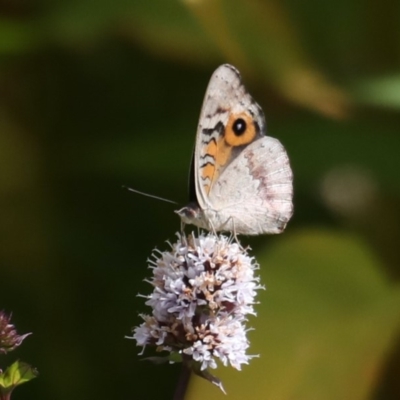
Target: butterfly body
x: 241, y: 180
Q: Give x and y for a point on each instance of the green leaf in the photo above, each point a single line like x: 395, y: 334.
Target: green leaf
x: 16, y: 374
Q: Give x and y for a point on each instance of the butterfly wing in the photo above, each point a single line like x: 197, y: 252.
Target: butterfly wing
x: 226, y: 103
x: 254, y: 194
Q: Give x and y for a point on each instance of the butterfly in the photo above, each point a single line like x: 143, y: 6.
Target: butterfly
x: 240, y: 179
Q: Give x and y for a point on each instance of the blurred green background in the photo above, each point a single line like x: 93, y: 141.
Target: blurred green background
x: 99, y: 94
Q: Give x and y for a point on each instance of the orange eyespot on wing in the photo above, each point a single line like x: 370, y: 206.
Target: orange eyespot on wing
x: 240, y: 130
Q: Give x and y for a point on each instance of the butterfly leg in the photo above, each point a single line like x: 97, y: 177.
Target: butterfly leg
x: 211, y: 228
x: 233, y: 233
x: 182, y: 227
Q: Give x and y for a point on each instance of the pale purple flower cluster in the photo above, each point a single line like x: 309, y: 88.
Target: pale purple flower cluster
x: 9, y: 337
x: 204, y: 287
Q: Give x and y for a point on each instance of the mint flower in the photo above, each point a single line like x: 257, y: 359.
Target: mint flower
x: 204, y: 288
x: 9, y: 338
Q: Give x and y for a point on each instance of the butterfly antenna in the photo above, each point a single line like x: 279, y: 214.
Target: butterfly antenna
x: 149, y: 195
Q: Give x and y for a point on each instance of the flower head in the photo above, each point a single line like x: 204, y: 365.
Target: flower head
x: 9, y: 338
x: 204, y: 288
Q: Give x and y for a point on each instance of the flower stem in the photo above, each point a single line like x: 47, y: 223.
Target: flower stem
x: 183, y: 383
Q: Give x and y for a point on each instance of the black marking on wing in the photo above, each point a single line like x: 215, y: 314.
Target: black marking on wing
x: 219, y: 127
x: 258, y: 129
x: 206, y: 163
x: 218, y: 111
x: 231, y: 67
x: 207, y: 142
x: 207, y: 155
x: 221, y: 110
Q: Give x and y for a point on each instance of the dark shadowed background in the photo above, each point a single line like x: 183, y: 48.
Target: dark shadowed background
x: 99, y: 94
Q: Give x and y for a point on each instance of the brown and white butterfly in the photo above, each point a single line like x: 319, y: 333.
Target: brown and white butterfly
x: 240, y: 179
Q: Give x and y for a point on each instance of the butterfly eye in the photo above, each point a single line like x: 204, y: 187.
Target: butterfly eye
x: 239, y: 126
